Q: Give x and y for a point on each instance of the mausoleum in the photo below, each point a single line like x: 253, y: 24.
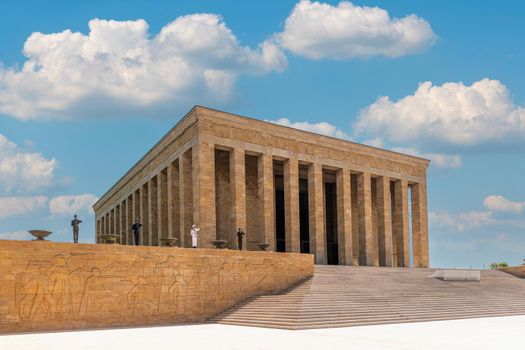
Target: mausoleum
x: 298, y: 191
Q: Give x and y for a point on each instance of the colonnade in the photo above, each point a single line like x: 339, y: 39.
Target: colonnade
x: 340, y: 215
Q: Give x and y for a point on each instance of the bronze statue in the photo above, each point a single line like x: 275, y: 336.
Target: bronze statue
x: 136, y: 230
x: 75, y: 222
x: 240, y: 234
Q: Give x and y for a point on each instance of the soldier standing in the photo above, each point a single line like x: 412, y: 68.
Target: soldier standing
x: 194, y: 235
x: 136, y: 230
x: 75, y: 222
x: 240, y: 234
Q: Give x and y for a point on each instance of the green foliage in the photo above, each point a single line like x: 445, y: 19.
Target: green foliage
x: 495, y: 266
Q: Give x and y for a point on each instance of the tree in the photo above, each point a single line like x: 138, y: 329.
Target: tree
x: 495, y: 266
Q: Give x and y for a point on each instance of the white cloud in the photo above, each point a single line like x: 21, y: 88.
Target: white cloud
x: 444, y: 161
x: 500, y: 203
x: 13, y: 206
x: 374, y: 142
x: 460, y: 221
x: 450, y: 115
x: 120, y: 65
x: 317, y: 30
x: 24, y: 172
x: 15, y: 235
x: 322, y: 128
x: 70, y: 205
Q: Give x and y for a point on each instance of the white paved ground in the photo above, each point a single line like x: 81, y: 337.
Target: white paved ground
x: 501, y: 333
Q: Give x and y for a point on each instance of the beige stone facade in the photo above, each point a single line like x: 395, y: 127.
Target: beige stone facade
x: 346, y: 203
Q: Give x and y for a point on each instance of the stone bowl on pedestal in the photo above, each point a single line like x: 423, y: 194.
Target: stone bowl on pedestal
x: 219, y: 243
x: 168, y: 241
x: 108, y: 238
x: 263, y: 246
x: 39, y: 234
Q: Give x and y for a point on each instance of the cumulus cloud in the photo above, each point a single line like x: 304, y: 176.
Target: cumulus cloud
x: 451, y: 115
x: 318, y: 30
x: 374, y: 142
x: 24, y: 172
x: 14, y: 206
x: 444, y: 161
x: 462, y: 221
x: 15, y: 235
x: 122, y: 67
x: 322, y: 128
x: 495, y: 204
x: 500, y: 203
x: 70, y: 205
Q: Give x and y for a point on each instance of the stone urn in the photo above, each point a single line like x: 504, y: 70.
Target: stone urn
x: 109, y: 238
x: 168, y: 241
x: 263, y: 245
x: 219, y: 243
x: 39, y: 234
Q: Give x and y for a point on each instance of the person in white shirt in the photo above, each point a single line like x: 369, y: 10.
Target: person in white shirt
x: 194, y: 235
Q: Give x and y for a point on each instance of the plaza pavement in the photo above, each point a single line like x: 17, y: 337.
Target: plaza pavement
x: 502, y: 333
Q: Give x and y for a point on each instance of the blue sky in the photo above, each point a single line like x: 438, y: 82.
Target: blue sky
x: 439, y: 79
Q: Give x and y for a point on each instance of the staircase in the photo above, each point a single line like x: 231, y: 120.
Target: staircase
x: 343, y: 296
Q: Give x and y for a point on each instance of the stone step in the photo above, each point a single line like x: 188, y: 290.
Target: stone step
x: 365, y: 311
x: 348, y: 296
x: 384, y: 302
x: 354, y: 315
x: 290, y: 325
x: 295, y: 324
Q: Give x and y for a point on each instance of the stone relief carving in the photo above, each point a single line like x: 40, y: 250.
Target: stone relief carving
x: 85, y: 287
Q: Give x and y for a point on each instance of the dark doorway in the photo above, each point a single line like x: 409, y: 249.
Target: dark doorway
x: 303, y: 216
x: 332, y: 255
x: 280, y: 243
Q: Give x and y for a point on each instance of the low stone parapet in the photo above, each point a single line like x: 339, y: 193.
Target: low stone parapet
x: 518, y: 271
x: 56, y: 286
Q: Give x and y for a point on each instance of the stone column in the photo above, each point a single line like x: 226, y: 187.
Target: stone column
x: 238, y: 190
x: 162, y: 203
x: 120, y: 216
x: 129, y: 216
x: 384, y: 221
x: 112, y: 221
x: 291, y: 205
x: 98, y: 230
x: 153, y: 211
x: 134, y: 214
x: 266, y: 200
x: 420, y: 224
x: 204, y: 193
x: 316, y: 213
x: 186, y: 198
x: 344, y: 217
x: 108, y: 224
x: 368, y: 246
x: 401, y: 231
x: 173, y: 201
x: 136, y: 211
x: 102, y: 227
x: 144, y: 217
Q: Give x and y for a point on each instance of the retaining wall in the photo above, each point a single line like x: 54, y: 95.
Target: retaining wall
x: 54, y: 286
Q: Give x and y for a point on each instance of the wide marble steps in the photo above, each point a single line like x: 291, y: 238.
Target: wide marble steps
x: 342, y: 296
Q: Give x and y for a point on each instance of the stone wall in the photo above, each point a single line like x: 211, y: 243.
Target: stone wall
x: 518, y: 271
x: 53, y: 286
